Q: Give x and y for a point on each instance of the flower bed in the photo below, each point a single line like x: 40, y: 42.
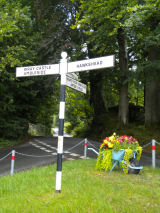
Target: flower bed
x: 118, y: 143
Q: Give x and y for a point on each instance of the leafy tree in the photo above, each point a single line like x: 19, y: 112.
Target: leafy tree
x: 144, y: 25
x: 103, y: 22
x: 78, y: 112
x: 18, y: 43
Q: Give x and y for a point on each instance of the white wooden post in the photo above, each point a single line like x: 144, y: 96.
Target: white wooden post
x: 85, y: 148
x: 52, y: 69
x: 63, y: 71
x: 153, y: 153
x: 12, y: 162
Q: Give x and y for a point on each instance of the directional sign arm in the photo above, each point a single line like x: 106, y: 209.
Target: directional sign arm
x: 37, y: 70
x: 91, y: 64
x: 72, y: 83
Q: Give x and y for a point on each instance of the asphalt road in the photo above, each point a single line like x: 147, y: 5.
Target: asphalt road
x: 43, y: 150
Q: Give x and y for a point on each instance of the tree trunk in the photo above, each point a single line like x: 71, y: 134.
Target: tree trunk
x: 152, y: 93
x: 123, y: 89
x: 96, y: 94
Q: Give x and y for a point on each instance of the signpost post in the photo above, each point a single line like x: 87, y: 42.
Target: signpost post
x: 70, y: 79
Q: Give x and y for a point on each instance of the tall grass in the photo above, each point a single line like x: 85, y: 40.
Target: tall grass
x: 84, y: 189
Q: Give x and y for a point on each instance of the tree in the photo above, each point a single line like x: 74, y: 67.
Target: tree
x: 144, y: 24
x: 104, y: 24
x: 18, y: 43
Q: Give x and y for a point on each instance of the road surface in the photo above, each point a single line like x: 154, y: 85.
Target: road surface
x: 41, y: 151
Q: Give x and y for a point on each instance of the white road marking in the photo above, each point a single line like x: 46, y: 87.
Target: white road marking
x: 82, y: 157
x: 40, y: 147
x: 75, y: 155
x: 44, y: 145
x: 54, y: 153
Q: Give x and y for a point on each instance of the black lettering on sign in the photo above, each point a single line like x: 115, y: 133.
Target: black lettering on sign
x: 90, y: 64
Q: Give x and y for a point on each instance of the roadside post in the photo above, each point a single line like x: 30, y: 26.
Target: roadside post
x: 153, y: 153
x: 12, y: 162
x: 85, y: 148
x: 68, y: 78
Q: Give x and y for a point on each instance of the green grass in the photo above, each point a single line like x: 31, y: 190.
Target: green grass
x: 84, y: 189
x: 9, y: 143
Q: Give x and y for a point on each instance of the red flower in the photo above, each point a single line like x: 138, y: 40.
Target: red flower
x: 105, y: 142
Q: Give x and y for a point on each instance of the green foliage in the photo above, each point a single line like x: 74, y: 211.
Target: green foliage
x: 104, y: 160
x: 99, y: 160
x: 107, y: 160
x: 127, y: 156
x: 118, y: 146
x: 136, y: 93
x: 144, y: 20
x: 78, y: 112
x: 9, y: 143
x: 139, y: 152
x: 18, y: 43
x: 35, y: 32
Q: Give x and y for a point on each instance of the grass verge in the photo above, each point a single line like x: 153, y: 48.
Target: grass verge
x: 84, y: 189
x: 9, y: 143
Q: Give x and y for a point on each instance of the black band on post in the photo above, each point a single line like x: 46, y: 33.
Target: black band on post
x: 61, y: 127
x: 59, y: 162
x: 62, y: 95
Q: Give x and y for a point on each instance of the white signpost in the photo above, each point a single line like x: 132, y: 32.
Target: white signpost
x: 68, y: 78
x: 91, y: 64
x: 77, y: 66
x: 72, y: 75
x: 37, y: 70
x: 70, y: 82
